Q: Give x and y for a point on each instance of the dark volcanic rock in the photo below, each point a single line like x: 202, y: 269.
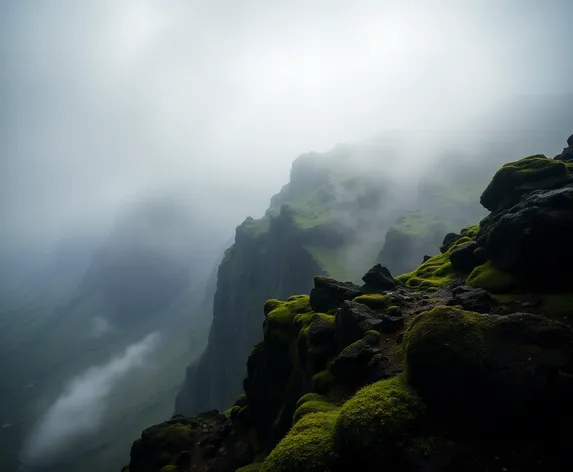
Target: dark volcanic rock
x: 473, y: 299
x: 449, y: 239
x: 329, y: 294
x: 532, y: 239
x: 465, y: 258
x: 320, y: 330
x: 208, y: 442
x: 378, y: 279
x: 360, y: 363
x: 515, y: 371
x: 353, y: 320
x: 520, y: 178
x: 567, y: 154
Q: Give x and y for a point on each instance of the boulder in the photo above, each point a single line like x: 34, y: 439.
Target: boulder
x: 566, y: 155
x: 532, y: 240
x: 378, y: 279
x: 320, y: 330
x: 494, y: 375
x: 329, y: 294
x: 516, y: 179
x: 473, y: 299
x: 353, y: 320
x: 359, y: 363
x: 449, y: 239
x: 570, y: 141
x: 466, y: 257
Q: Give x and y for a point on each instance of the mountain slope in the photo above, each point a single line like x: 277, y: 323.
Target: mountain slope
x: 466, y: 363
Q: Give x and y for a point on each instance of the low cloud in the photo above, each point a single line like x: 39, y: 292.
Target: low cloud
x: 100, y: 326
x: 80, y: 408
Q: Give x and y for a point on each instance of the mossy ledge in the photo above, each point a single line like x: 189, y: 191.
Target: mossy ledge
x: 455, y: 379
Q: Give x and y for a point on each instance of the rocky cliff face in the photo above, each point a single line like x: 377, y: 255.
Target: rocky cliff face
x: 327, y: 220
x: 465, y: 363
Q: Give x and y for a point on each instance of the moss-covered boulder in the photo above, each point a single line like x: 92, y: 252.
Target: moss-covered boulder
x: 308, y: 447
x: 374, y: 423
x: 437, y: 271
x: 531, y: 241
x: 491, y: 373
x: 519, y: 178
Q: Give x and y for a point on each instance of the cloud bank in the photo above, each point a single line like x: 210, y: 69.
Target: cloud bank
x: 80, y: 408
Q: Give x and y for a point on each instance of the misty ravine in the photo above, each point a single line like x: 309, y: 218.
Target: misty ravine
x: 244, y: 206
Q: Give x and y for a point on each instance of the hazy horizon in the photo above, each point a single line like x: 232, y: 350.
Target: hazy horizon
x: 106, y: 103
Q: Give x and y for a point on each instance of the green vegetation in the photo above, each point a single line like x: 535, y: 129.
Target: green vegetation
x: 312, y: 406
x: 323, y: 382
x: 308, y: 447
x: 488, y: 277
x: 419, y: 224
x: 437, y: 271
x: 370, y: 421
x: 284, y: 313
x: 374, y: 301
x: 331, y: 260
x: 516, y: 178
x: 452, y: 342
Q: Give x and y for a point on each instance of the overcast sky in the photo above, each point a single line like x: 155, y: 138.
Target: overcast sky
x: 103, y: 101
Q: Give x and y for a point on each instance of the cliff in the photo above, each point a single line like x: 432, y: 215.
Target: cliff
x: 329, y: 219
x: 465, y: 363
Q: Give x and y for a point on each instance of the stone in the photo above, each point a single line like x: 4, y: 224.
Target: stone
x: 378, y: 279
x: 449, y: 239
x: 465, y: 258
x: 329, y: 294
x: 473, y: 299
x: 353, y: 365
x: 353, y: 320
x: 531, y: 240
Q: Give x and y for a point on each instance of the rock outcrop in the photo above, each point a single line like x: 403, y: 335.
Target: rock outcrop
x: 466, y: 363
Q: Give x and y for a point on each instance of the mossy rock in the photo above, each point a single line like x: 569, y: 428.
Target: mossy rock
x: 372, y: 421
x: 308, y: 447
x: 490, y: 278
x: 312, y: 406
x: 279, y: 323
x: 486, y: 374
x: 374, y: 301
x: 437, y: 271
x: 323, y: 382
x: 518, y: 178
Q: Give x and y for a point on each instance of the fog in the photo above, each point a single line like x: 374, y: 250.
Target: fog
x: 81, y: 407
x: 105, y: 102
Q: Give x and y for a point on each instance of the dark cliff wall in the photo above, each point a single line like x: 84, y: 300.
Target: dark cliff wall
x: 256, y: 268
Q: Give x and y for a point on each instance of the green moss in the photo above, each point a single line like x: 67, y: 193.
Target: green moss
x: 279, y: 323
x: 372, y: 419
x: 232, y: 411
x: 308, y: 447
x: 437, y: 271
x: 254, y: 467
x: 168, y: 468
x: 516, y: 178
x: 374, y: 301
x: 323, y: 381
x: 312, y: 406
x: 488, y: 277
x: 309, y: 397
x: 446, y: 353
